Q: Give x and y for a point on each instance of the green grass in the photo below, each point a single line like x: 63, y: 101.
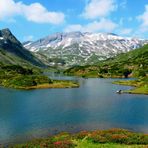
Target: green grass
x: 139, y: 90
x: 88, y: 144
x: 141, y: 85
x: 54, y: 84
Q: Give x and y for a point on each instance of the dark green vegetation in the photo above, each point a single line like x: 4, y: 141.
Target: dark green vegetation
x: 18, y: 77
x: 134, y: 62
x: 15, y: 76
x: 109, y: 138
x: 13, y: 52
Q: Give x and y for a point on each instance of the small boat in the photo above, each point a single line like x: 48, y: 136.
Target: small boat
x: 119, y: 91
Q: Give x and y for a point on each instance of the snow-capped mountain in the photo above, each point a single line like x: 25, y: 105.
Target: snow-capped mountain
x: 81, y: 48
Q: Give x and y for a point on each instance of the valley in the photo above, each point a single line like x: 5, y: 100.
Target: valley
x: 47, y: 94
x: 131, y: 64
x: 20, y: 69
x: 73, y: 74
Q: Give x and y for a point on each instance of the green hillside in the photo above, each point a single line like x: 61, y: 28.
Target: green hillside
x: 8, y: 58
x: 133, y: 63
x: 13, y: 52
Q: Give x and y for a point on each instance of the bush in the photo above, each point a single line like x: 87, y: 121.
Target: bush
x: 18, y: 69
x: 140, y: 73
x: 63, y: 144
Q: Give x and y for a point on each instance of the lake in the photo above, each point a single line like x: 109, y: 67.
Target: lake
x: 25, y: 115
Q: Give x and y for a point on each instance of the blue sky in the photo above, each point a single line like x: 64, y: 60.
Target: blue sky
x: 33, y: 19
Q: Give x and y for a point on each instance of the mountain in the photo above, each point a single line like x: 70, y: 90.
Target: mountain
x: 76, y: 48
x: 134, y: 62
x: 13, y: 52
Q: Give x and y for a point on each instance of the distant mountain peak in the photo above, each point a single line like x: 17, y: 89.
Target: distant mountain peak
x: 78, y: 48
x: 10, y: 45
x: 5, y: 33
x: 6, y: 30
x: 9, y: 37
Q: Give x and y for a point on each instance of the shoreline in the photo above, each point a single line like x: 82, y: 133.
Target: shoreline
x: 69, y: 84
x: 56, y: 84
x: 95, y: 76
x: 111, y: 137
x: 139, y: 87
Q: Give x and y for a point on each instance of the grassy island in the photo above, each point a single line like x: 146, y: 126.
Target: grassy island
x: 18, y: 77
x: 54, y: 84
x: 113, y: 138
x: 141, y: 85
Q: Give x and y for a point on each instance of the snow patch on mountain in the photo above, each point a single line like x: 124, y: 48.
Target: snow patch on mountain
x: 82, y: 48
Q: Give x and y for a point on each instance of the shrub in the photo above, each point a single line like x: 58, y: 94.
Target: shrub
x: 18, y: 69
x: 140, y: 73
x: 119, y: 138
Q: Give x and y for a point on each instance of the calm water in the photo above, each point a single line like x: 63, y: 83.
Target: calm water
x: 95, y: 105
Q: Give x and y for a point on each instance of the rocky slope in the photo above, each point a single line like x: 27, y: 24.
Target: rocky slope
x: 76, y: 48
x: 13, y: 52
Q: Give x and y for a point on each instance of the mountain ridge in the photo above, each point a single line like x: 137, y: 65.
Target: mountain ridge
x: 13, y: 52
x: 77, y: 48
x: 132, y: 63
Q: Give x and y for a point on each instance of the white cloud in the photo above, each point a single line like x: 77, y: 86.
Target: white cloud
x: 126, y: 31
x: 34, y: 12
x: 144, y: 19
x: 98, y: 8
x: 102, y: 25
x: 37, y: 13
x: 9, y: 8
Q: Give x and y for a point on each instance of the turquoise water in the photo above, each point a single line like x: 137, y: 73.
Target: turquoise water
x: 95, y: 105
